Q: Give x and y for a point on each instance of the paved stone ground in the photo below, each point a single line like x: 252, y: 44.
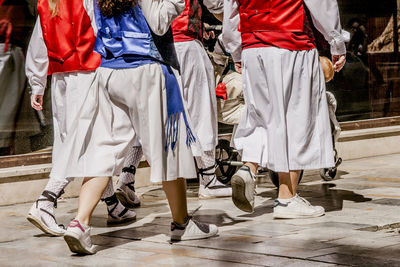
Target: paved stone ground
x: 361, y: 228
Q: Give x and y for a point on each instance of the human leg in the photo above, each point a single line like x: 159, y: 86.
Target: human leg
x: 184, y: 227
x: 210, y: 187
x: 117, y: 213
x: 77, y: 235
x: 41, y: 214
x: 289, y: 205
x: 125, y: 186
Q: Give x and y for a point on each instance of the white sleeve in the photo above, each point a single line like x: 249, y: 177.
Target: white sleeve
x: 159, y: 14
x: 89, y: 7
x: 37, y: 61
x: 231, y: 37
x: 214, y: 6
x: 325, y: 17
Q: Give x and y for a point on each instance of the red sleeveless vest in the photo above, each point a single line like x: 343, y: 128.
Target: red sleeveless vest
x: 188, y: 25
x: 271, y: 15
x: 69, y: 37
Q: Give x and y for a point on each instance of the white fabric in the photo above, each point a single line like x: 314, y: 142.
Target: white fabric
x: 325, y: 17
x: 197, y: 75
x: 230, y: 110
x: 37, y: 61
x: 158, y: 13
x: 119, y: 103
x: 285, y: 125
x: 231, y: 37
x: 214, y: 6
x: 68, y: 91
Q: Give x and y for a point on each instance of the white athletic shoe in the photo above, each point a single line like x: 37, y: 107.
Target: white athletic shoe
x: 243, y: 189
x: 298, y: 207
x: 191, y: 230
x: 78, y: 239
x: 126, y: 194
x: 214, y: 189
x: 47, y: 225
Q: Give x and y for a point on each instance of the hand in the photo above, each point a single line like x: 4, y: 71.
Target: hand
x: 37, y: 102
x: 207, y: 34
x: 338, y: 62
x: 238, y: 67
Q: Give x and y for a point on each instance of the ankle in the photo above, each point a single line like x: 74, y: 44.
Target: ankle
x: 83, y: 221
x: 181, y: 221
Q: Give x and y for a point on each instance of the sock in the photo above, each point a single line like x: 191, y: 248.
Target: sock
x: 286, y: 200
x: 205, y: 162
x: 133, y: 159
x: 114, y: 206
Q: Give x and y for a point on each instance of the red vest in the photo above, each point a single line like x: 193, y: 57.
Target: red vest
x: 188, y: 25
x: 69, y: 37
x: 271, y: 15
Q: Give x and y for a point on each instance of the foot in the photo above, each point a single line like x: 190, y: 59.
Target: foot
x: 191, y: 230
x: 214, y: 189
x: 118, y: 213
x: 78, y: 239
x: 243, y: 189
x: 41, y: 215
x: 126, y: 194
x: 296, y: 207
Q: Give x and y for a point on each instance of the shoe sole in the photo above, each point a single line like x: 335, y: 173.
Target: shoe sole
x: 289, y: 216
x: 178, y: 238
x: 39, y: 224
x: 239, y: 194
x: 125, y: 200
x: 123, y: 221
x: 75, y: 245
x: 211, y: 197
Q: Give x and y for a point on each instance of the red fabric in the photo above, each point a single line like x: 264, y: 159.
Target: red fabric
x: 221, y: 91
x: 279, y: 23
x: 188, y: 25
x: 69, y: 37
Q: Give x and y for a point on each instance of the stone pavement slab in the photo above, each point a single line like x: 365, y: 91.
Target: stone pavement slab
x: 361, y: 227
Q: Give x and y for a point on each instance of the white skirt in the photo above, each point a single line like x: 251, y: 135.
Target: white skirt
x: 68, y: 91
x: 125, y: 107
x: 285, y: 125
x: 198, y: 80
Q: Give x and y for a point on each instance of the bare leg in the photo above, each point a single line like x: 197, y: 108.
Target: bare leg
x: 288, y: 182
x: 176, y: 195
x: 253, y: 167
x: 91, y: 191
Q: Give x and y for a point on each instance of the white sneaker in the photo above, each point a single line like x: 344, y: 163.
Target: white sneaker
x: 214, y: 191
x: 126, y: 194
x: 47, y: 225
x: 243, y: 189
x: 298, y: 207
x: 78, y: 239
x: 191, y: 230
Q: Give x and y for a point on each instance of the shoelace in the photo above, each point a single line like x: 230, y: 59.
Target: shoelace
x: 304, y: 200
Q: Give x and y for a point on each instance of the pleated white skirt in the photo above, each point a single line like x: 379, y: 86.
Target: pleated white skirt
x: 124, y: 107
x: 198, y: 81
x: 285, y: 125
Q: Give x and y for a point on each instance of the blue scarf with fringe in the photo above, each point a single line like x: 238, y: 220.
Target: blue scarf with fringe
x: 120, y: 51
x: 174, y: 109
